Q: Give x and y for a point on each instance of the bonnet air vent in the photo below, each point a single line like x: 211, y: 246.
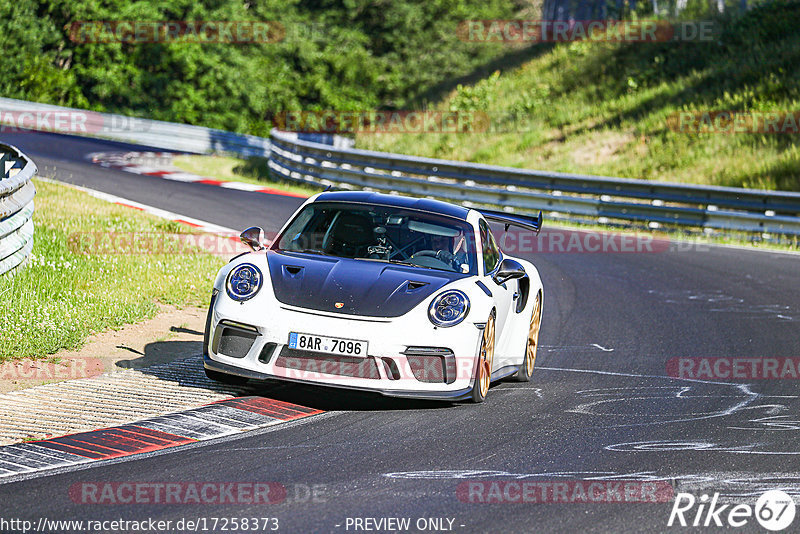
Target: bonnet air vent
x: 413, y: 286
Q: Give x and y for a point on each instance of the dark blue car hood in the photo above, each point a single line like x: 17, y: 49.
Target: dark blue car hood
x: 361, y: 287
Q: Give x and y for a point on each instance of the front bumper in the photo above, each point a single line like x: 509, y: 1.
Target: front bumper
x: 398, y: 347
x: 457, y: 395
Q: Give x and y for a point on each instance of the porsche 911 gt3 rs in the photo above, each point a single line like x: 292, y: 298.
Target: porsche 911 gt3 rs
x: 401, y: 296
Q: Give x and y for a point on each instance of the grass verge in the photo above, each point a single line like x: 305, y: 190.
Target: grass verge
x: 609, y: 108
x: 64, y: 295
x: 252, y: 171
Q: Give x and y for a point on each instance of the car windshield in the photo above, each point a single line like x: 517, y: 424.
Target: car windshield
x: 382, y: 233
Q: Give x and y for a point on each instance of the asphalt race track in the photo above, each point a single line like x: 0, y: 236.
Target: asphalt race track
x: 601, y: 406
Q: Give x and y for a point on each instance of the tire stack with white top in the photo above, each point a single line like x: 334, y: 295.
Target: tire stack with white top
x: 16, y: 207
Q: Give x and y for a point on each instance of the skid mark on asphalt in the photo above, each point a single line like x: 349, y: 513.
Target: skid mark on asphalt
x: 591, y: 347
x: 779, y: 423
x: 223, y: 418
x: 667, y: 405
x: 536, y: 391
x: 664, y: 402
x: 641, y: 401
x: 719, y: 302
x: 731, y: 486
x: 705, y: 446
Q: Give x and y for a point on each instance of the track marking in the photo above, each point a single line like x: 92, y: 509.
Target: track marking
x: 158, y: 212
x: 222, y: 418
x: 749, y: 395
x: 122, y: 161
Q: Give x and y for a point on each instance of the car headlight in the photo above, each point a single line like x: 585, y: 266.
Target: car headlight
x: 449, y: 308
x: 244, y: 281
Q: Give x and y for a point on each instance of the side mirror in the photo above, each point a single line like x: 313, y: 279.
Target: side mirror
x: 253, y: 237
x: 509, y: 270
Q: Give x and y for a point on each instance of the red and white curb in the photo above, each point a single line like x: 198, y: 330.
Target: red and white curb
x: 219, y: 419
x: 160, y: 164
x: 228, y: 243
x: 203, y: 226
x: 223, y: 418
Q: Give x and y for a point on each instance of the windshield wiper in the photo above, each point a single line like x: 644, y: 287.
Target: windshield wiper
x: 401, y: 262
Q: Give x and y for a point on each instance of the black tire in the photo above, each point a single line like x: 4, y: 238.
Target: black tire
x: 224, y: 378
x: 485, y: 358
x: 525, y: 372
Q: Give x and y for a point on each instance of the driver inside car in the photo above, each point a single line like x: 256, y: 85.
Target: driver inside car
x: 450, y: 250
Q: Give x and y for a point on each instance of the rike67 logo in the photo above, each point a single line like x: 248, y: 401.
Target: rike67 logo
x: 774, y: 510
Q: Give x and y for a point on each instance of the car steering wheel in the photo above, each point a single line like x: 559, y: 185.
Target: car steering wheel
x: 433, y: 258
x: 441, y: 255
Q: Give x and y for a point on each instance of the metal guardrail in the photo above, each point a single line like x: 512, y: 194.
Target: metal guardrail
x: 157, y: 134
x: 327, y: 159
x: 16, y: 207
x: 598, y: 198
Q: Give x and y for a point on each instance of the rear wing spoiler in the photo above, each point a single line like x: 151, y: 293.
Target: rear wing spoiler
x: 514, y: 219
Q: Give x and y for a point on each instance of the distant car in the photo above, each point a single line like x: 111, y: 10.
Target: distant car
x: 401, y: 296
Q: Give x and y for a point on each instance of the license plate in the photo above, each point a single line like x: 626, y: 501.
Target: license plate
x: 327, y: 345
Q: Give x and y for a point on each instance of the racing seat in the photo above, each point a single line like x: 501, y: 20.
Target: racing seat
x: 350, y: 235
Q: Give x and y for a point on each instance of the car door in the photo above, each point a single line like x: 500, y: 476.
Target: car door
x: 503, y: 294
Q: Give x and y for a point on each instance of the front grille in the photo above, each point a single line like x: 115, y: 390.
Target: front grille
x: 432, y: 365
x: 311, y: 362
x: 235, y: 343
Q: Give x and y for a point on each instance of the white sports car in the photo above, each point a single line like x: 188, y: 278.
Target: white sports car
x: 401, y: 296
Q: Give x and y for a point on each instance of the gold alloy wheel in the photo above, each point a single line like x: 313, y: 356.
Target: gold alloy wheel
x: 533, y: 335
x: 486, y: 357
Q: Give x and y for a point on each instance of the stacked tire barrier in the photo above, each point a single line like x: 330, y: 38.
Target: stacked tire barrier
x: 567, y: 196
x: 16, y: 207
